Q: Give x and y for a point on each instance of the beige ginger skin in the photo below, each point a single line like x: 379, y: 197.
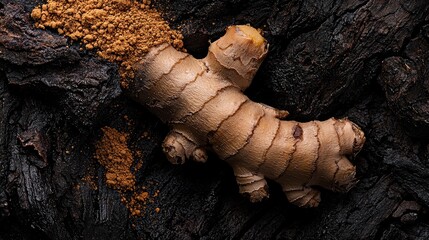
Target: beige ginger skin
x: 202, y: 102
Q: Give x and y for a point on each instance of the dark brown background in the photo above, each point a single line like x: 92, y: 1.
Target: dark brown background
x: 368, y: 60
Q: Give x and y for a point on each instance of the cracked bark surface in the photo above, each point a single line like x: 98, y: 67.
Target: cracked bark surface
x: 364, y: 59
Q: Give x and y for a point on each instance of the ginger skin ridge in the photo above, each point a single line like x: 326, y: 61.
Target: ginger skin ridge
x: 202, y: 102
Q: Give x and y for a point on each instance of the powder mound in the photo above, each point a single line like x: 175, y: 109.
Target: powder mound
x: 121, y: 31
x: 113, y: 153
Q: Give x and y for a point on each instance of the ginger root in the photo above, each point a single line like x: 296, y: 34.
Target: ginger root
x: 202, y: 101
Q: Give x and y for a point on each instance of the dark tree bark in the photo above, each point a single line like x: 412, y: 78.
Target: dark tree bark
x: 368, y: 60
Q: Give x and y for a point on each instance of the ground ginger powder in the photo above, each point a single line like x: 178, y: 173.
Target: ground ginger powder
x: 120, y: 31
x: 113, y: 154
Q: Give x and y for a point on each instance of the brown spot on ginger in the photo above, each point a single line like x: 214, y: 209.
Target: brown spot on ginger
x: 297, y: 132
x: 121, y: 31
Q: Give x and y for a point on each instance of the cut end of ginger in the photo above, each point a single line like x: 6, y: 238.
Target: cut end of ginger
x: 252, y: 33
x: 120, y: 31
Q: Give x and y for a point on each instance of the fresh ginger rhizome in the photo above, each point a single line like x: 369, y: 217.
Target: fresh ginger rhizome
x: 202, y: 101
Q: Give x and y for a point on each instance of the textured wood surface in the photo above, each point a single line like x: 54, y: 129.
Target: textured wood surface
x: 364, y: 59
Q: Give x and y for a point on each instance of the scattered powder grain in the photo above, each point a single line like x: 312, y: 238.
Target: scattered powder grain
x: 138, y: 202
x: 113, y: 154
x: 120, y: 31
x: 90, y: 180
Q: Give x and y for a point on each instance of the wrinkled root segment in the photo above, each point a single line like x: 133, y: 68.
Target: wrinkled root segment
x: 307, y: 197
x: 257, y: 195
x: 346, y: 182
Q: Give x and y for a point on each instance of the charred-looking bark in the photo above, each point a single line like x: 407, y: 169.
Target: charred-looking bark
x: 363, y: 59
